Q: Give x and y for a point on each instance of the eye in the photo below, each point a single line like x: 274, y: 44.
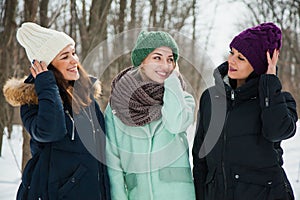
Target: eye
x: 74, y: 53
x: 156, y: 58
x: 170, y: 60
x: 241, y: 58
x: 231, y: 52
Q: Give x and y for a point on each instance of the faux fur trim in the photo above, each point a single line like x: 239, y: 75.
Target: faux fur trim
x: 18, y: 93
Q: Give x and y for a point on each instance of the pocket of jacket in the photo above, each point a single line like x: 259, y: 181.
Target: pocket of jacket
x: 176, y: 174
x: 131, y: 181
x: 72, y: 181
x: 253, y: 184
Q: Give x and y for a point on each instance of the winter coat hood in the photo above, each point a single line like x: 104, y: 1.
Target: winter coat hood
x: 21, y: 91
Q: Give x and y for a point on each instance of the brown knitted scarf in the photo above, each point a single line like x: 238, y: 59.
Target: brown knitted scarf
x: 134, y: 101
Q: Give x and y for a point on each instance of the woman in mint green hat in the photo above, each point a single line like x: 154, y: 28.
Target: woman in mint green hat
x: 147, y: 117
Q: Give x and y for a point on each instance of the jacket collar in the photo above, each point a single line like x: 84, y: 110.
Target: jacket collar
x: 224, y: 85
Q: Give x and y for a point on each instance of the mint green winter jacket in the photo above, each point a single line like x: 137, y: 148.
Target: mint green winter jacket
x: 151, y: 162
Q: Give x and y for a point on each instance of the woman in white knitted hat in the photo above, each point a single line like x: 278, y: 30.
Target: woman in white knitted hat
x: 60, y: 113
x: 147, y: 117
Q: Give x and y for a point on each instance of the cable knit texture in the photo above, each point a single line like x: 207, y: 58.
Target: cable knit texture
x: 136, y: 102
x: 254, y: 43
x: 41, y: 43
x: 148, y: 41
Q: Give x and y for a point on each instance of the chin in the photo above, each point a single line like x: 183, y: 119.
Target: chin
x: 159, y: 81
x: 231, y: 76
x: 72, y: 78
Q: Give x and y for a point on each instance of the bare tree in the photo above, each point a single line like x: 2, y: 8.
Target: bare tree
x: 44, y: 20
x: 7, y: 43
x: 29, y: 16
x: 132, y: 22
x: 95, y: 31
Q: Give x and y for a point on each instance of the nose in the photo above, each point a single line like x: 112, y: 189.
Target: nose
x: 166, y: 64
x: 74, y: 59
x: 231, y: 59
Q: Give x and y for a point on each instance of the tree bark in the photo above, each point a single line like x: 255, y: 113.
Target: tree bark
x: 31, y: 10
x: 6, y: 54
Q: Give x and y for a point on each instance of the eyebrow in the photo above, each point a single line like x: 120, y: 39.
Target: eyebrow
x: 162, y: 55
x: 64, y: 53
x: 239, y: 54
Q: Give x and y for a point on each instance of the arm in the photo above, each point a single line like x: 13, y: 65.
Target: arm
x: 115, y: 170
x: 200, y: 166
x: 104, y: 178
x: 178, y: 107
x: 46, y: 121
x: 279, y: 115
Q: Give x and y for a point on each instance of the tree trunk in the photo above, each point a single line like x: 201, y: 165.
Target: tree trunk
x: 132, y: 14
x: 95, y: 32
x: 31, y: 8
x: 152, y: 18
x: 44, y: 20
x: 6, y: 54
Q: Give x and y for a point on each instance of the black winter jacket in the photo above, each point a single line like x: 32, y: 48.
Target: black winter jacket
x: 236, y: 151
x: 68, y: 157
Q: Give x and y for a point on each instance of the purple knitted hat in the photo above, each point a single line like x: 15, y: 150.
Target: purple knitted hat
x: 254, y: 43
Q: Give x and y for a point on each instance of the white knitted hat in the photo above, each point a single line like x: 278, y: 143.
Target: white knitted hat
x: 41, y: 43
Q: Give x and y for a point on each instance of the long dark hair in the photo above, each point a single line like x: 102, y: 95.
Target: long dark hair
x: 79, y: 98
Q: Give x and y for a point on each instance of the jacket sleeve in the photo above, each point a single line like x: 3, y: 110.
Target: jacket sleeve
x: 104, y: 178
x: 199, y: 164
x: 178, y: 107
x: 115, y: 170
x: 46, y: 121
x: 279, y: 115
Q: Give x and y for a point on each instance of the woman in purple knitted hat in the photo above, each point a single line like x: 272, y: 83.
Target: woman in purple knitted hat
x: 242, y: 121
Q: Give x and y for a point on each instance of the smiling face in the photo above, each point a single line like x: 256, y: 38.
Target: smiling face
x: 158, y: 65
x: 66, y: 62
x: 239, y: 67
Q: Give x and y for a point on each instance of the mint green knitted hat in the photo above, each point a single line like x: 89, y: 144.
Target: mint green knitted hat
x: 148, y: 41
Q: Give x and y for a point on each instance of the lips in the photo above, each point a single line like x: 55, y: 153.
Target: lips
x: 73, y: 69
x: 232, y: 69
x: 162, y: 74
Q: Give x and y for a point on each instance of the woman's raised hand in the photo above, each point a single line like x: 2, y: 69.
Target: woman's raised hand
x: 37, y: 68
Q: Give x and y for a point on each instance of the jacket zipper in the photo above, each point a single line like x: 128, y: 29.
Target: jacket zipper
x: 232, y: 96
x: 73, y: 124
x: 223, y: 157
x: 267, y: 97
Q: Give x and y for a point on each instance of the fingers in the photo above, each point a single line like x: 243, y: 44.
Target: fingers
x: 272, y: 62
x: 176, y: 69
x: 274, y: 58
x: 37, y: 68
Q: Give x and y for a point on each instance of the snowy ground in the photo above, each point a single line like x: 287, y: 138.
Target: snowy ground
x: 10, y: 163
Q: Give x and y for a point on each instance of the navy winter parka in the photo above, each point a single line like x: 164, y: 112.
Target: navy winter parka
x: 236, y: 151
x: 68, y: 157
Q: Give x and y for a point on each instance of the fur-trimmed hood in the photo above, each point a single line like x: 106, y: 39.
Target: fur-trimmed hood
x: 17, y: 92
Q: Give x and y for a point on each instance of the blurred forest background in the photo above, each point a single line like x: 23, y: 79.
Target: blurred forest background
x: 91, y: 22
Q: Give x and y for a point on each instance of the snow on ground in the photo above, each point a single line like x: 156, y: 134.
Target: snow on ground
x: 10, y: 162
